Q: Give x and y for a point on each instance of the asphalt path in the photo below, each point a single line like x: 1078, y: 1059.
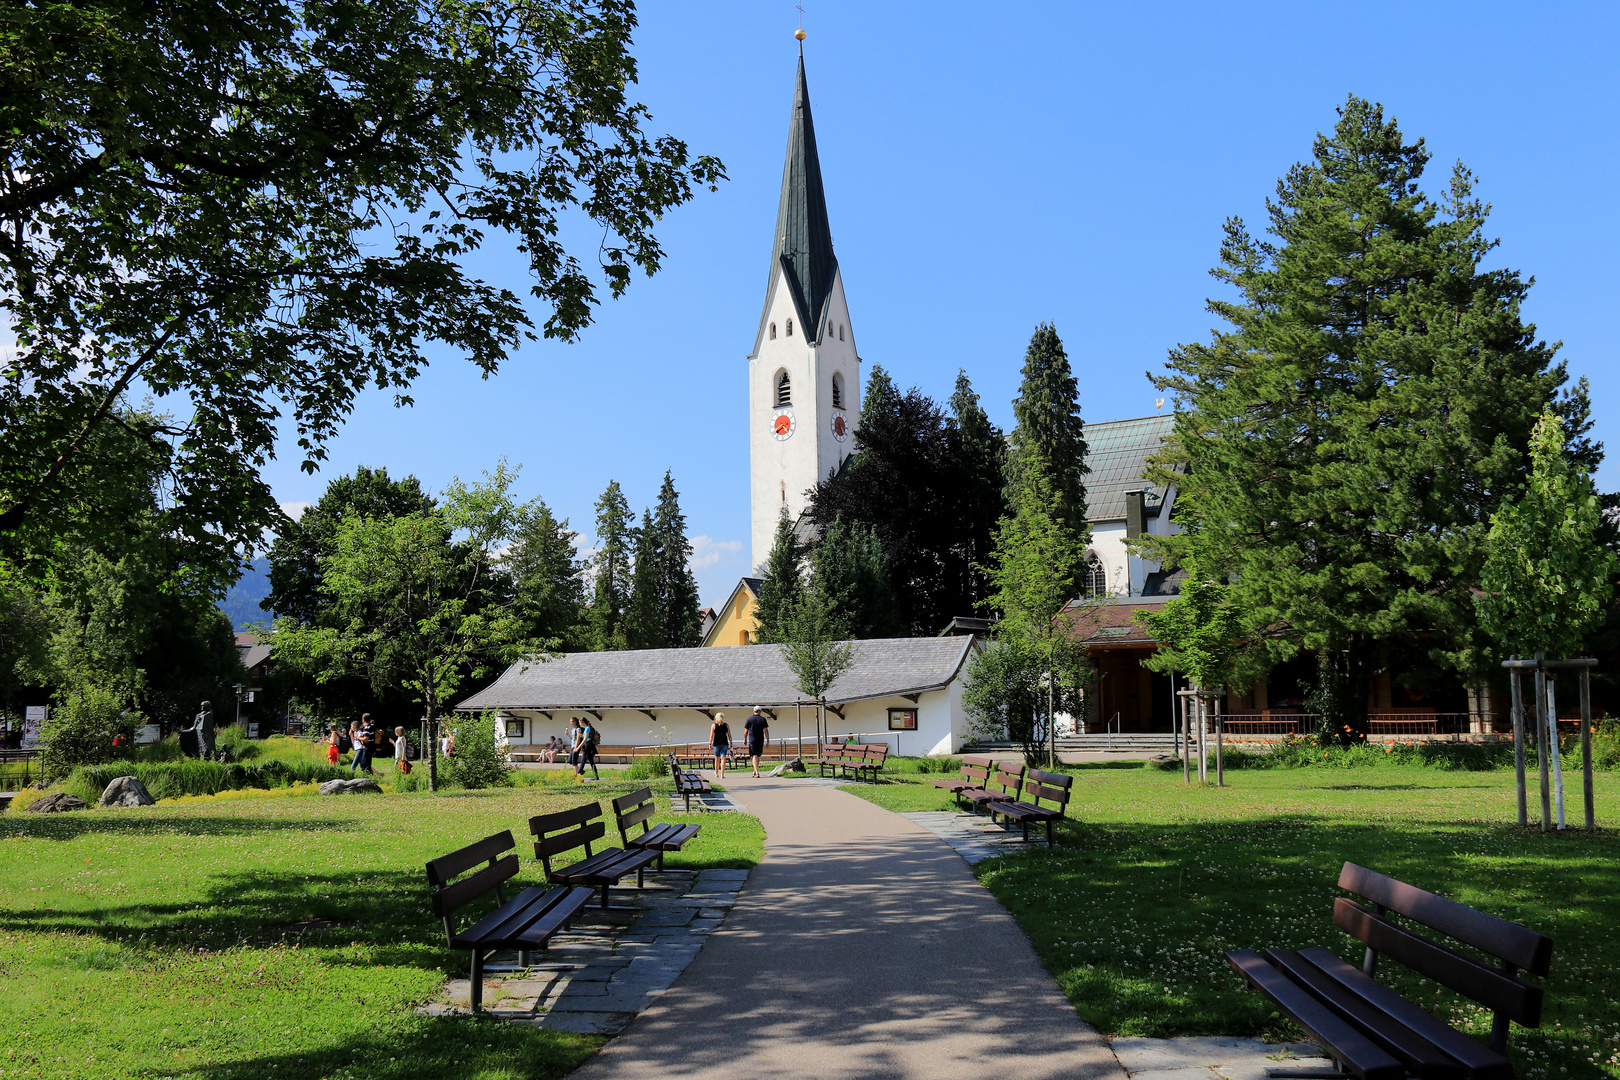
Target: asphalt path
x: 862, y: 946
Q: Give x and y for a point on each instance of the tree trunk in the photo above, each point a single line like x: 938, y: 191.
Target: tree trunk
x: 433, y: 750
x: 1051, y: 720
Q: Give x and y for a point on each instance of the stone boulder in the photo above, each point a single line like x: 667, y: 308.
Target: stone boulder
x: 126, y: 791
x: 58, y: 803
x: 1164, y: 761
x: 356, y: 786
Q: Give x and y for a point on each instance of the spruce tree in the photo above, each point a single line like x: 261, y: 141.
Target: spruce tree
x: 878, y: 401
x: 547, y: 579
x: 851, y: 574
x: 1049, y: 437
x: 610, y: 594
x: 1342, y: 446
x: 641, y: 629
x: 980, y: 451
x: 782, y: 587
x: 677, y: 592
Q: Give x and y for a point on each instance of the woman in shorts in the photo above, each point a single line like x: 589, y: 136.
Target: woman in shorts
x: 720, y: 741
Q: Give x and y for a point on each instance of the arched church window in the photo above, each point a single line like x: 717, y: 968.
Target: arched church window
x: 790, y: 327
x: 784, y: 391
x: 1093, y: 579
x: 773, y: 331
x: 838, y: 390
x: 840, y: 331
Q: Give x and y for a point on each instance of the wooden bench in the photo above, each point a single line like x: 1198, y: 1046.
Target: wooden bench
x: 687, y: 782
x: 975, y: 774
x: 577, y: 828
x: 1046, y: 797
x: 854, y: 758
x: 634, y: 809
x: 1374, y: 1033
x: 873, y: 755
x: 836, y: 756
x: 525, y: 922
x: 1005, y: 781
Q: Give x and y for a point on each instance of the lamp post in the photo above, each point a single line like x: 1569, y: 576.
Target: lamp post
x: 238, y: 687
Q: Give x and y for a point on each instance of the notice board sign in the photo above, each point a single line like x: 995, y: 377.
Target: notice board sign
x: 902, y: 719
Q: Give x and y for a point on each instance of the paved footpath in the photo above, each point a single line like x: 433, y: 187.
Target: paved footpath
x: 862, y: 946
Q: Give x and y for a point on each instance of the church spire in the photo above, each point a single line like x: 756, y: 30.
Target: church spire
x: 803, y: 247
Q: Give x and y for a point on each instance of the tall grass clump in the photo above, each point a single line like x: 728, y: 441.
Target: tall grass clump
x: 171, y: 779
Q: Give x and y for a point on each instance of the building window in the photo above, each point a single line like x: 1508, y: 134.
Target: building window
x: 838, y: 390
x: 840, y: 331
x: 784, y: 386
x: 742, y: 637
x: 514, y: 727
x: 773, y: 331
x: 1093, y: 579
x: 790, y: 328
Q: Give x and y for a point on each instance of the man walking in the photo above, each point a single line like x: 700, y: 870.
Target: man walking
x: 757, y: 732
x: 588, y: 740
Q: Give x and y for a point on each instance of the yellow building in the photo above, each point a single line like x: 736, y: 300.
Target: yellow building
x: 735, y: 619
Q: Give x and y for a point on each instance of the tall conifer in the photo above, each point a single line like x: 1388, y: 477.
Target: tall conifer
x: 547, y: 578
x: 980, y: 451
x: 782, y: 587
x: 610, y: 595
x: 641, y: 629
x: 1341, y: 448
x: 1049, y: 436
x: 676, y: 605
x: 851, y: 574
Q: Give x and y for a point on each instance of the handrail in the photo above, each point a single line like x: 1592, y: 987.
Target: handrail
x: 1109, y: 728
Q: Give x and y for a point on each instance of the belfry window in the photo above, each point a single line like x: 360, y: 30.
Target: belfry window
x: 784, y: 390
x: 790, y: 328
x: 838, y: 390
x: 773, y: 331
x: 840, y: 331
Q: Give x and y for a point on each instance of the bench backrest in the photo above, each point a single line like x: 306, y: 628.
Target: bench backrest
x: 574, y: 828
x: 976, y: 770
x: 450, y: 895
x: 1050, y: 786
x: 876, y: 753
x: 632, y: 810
x: 1009, y: 778
x: 1515, y: 946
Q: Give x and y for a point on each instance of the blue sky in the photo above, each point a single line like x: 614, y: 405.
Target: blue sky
x: 991, y: 166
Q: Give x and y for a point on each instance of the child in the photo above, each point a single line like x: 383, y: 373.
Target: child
x: 401, y: 747
x: 332, y: 750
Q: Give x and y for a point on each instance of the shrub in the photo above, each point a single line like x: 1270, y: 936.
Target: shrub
x: 90, y: 727
x: 172, y: 779
x: 647, y: 768
x: 479, y: 761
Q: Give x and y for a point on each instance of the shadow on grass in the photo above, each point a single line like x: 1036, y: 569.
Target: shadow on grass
x: 147, y: 820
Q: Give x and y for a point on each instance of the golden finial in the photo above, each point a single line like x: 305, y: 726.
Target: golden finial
x: 800, y: 34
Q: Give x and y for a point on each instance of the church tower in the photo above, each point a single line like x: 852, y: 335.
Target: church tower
x: 804, y: 377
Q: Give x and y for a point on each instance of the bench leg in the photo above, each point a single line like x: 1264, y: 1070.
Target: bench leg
x: 476, y: 990
x: 640, y: 884
x: 523, y: 957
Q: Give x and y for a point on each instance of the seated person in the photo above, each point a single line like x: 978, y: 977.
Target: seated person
x: 553, y: 748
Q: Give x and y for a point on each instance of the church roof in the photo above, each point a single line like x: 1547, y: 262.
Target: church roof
x: 716, y: 678
x: 1116, y: 457
x: 803, y: 245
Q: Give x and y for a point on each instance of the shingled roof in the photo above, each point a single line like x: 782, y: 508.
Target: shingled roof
x: 738, y: 677
x: 803, y: 245
x: 1116, y: 455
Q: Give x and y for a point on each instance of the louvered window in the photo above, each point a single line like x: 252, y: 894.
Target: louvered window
x: 784, y: 388
x: 773, y: 331
x: 790, y: 328
x: 840, y: 331
x: 838, y: 390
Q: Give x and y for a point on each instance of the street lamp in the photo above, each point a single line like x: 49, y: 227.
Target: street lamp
x: 238, y: 687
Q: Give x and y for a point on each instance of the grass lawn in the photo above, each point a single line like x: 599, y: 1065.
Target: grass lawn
x: 1154, y: 881
x: 270, y: 933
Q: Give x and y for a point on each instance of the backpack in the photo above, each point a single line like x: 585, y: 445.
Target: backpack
x: 592, y: 740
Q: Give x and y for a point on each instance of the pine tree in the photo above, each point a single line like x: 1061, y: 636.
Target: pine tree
x: 1049, y: 436
x: 612, y: 564
x: 547, y: 578
x: 677, y: 598
x: 878, y: 402
x: 1342, y: 446
x: 641, y: 629
x: 851, y: 574
x: 980, y: 451
x: 782, y: 587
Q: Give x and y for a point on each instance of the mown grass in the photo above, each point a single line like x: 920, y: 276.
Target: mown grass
x: 1153, y: 881
x: 266, y: 934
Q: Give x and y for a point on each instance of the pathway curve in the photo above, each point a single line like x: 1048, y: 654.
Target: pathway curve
x: 862, y: 946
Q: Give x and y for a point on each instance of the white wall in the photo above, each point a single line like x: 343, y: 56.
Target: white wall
x: 1126, y: 572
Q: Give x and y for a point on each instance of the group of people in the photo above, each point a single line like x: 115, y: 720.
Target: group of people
x: 579, y: 746
x: 756, y: 734
x: 361, y: 737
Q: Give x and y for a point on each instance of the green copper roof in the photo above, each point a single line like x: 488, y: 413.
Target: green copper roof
x: 803, y: 245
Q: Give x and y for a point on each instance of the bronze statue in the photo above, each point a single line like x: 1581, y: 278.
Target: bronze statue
x: 204, y: 729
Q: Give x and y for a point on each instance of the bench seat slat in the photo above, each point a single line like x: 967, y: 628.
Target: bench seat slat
x: 605, y: 867
x: 666, y: 837
x: 1415, y: 1050
x: 1519, y: 1000
x: 1358, y: 1055
x: 1023, y: 811
x: 1482, y: 1062
x: 532, y: 917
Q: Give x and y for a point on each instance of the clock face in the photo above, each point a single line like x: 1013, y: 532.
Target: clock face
x: 840, y: 426
x: 782, y: 425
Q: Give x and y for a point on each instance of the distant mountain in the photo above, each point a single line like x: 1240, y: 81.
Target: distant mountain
x: 241, y: 603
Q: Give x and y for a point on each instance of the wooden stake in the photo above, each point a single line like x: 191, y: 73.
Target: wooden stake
x: 1586, y: 746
